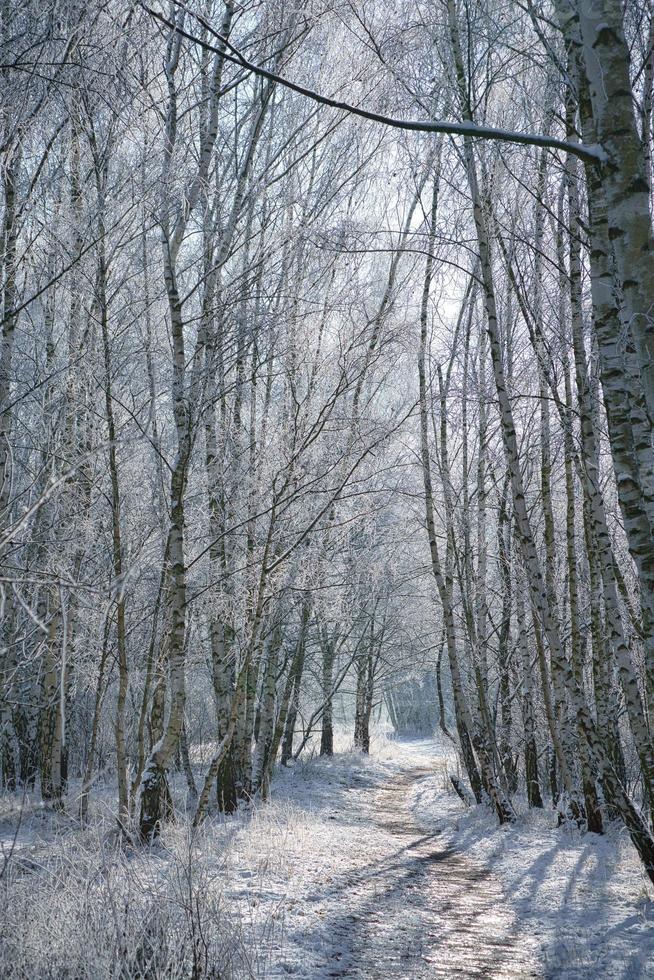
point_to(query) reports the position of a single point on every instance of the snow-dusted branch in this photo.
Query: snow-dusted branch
(590, 154)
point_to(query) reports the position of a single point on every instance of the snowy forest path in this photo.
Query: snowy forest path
(425, 911)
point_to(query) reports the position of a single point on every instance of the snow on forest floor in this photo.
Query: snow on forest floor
(357, 867)
(582, 900)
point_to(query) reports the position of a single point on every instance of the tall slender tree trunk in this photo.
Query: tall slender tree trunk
(527, 704)
(327, 721)
(463, 716)
(536, 582)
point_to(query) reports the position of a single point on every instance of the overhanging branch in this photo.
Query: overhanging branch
(589, 154)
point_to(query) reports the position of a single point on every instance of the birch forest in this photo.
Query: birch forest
(326, 488)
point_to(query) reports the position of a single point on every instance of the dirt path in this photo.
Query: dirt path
(428, 911)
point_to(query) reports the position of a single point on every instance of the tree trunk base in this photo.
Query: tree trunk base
(156, 804)
(226, 792)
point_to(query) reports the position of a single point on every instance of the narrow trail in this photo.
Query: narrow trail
(428, 912)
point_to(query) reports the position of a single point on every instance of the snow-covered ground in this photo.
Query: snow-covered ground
(584, 899)
(356, 867)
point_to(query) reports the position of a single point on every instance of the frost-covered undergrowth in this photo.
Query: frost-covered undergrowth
(238, 898)
(585, 899)
(272, 891)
